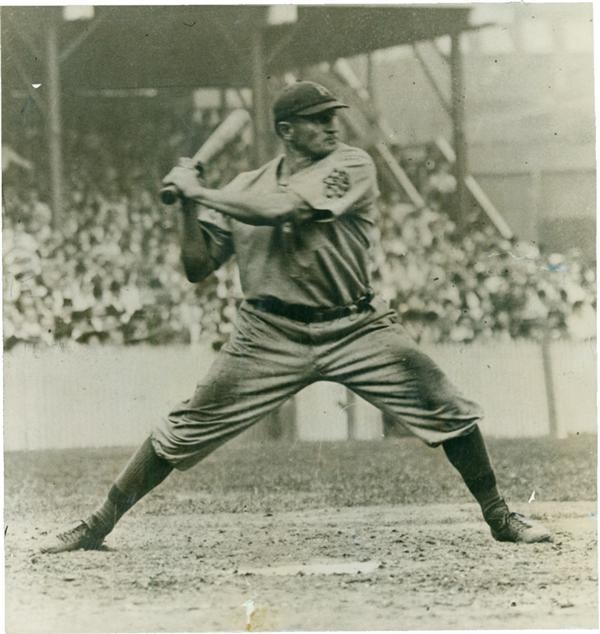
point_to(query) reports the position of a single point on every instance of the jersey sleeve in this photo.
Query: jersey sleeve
(343, 183)
(217, 226)
(217, 233)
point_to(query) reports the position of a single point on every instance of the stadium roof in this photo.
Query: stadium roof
(201, 45)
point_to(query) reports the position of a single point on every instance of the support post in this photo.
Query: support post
(222, 103)
(536, 203)
(54, 121)
(260, 95)
(458, 128)
(351, 414)
(370, 81)
(553, 427)
(432, 80)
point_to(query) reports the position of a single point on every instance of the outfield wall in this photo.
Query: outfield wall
(104, 396)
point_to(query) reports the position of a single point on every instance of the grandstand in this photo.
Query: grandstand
(111, 274)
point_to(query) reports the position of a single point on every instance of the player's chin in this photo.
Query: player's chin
(327, 147)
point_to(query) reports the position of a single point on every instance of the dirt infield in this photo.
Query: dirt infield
(173, 566)
(438, 569)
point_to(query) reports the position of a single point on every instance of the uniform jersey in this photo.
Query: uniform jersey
(322, 262)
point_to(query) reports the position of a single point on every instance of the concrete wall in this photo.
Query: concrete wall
(554, 207)
(94, 397)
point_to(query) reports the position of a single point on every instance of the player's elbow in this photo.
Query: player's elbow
(194, 276)
(196, 269)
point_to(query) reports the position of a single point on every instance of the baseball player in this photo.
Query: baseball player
(300, 227)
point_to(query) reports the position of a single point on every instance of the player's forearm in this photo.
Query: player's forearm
(252, 209)
(195, 256)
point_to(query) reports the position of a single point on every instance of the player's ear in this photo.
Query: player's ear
(284, 130)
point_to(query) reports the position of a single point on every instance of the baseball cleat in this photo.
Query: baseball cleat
(514, 527)
(81, 537)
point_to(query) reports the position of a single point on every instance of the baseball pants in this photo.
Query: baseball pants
(270, 358)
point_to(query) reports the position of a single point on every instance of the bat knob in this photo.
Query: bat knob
(169, 195)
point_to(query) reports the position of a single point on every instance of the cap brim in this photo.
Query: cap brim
(321, 107)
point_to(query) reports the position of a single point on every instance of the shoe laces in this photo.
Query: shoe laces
(517, 521)
(72, 532)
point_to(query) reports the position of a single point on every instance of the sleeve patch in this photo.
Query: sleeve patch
(337, 183)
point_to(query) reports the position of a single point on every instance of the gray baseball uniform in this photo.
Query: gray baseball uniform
(283, 341)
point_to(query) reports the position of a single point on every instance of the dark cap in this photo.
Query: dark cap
(302, 99)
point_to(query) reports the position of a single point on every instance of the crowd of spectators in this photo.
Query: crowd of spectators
(460, 288)
(109, 271)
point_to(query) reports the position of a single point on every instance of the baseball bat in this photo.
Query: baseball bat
(223, 134)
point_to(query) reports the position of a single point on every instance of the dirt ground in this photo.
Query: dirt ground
(258, 562)
(437, 568)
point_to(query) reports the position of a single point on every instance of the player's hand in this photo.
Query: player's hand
(185, 177)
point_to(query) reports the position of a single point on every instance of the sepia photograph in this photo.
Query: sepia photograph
(299, 317)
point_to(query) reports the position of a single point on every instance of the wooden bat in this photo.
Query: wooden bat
(223, 134)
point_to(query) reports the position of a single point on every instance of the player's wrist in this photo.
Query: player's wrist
(198, 192)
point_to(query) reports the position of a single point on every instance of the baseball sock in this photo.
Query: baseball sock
(468, 454)
(141, 474)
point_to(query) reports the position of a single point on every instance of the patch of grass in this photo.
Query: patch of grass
(278, 476)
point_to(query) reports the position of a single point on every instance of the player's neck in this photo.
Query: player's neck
(295, 161)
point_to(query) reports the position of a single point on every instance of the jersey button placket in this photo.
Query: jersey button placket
(287, 235)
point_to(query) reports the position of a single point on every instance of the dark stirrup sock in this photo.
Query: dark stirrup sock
(468, 454)
(144, 471)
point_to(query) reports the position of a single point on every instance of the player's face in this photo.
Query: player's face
(316, 135)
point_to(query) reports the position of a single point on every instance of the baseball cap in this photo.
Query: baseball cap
(304, 98)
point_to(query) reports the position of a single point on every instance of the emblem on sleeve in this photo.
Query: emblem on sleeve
(337, 183)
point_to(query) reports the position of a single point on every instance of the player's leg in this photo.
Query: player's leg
(468, 454)
(383, 365)
(144, 471)
(258, 370)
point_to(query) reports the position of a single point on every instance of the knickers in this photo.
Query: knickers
(270, 358)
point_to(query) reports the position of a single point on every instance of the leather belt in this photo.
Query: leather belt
(309, 314)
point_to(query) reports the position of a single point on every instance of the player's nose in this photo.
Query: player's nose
(332, 124)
